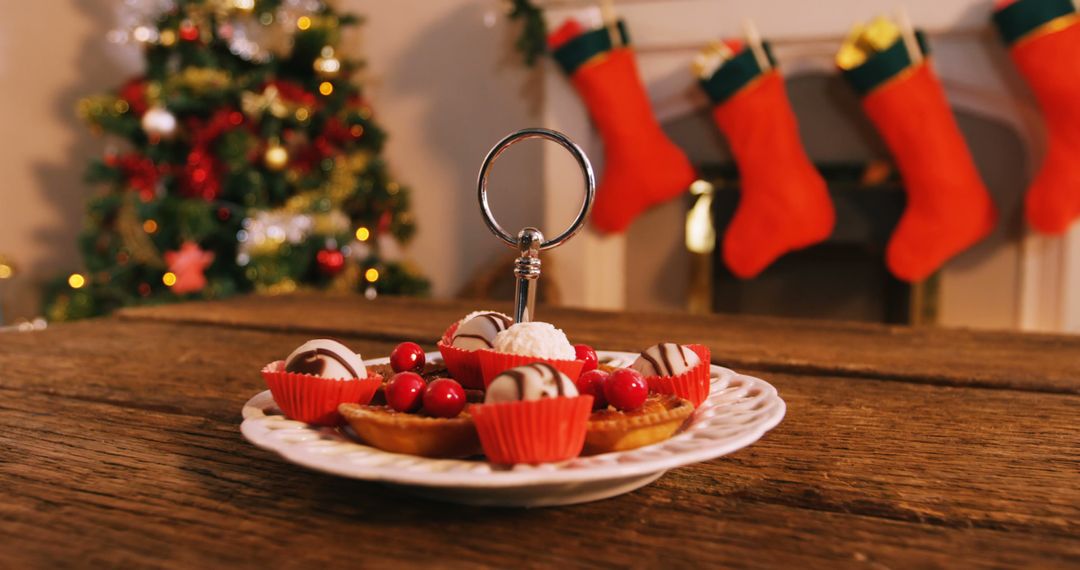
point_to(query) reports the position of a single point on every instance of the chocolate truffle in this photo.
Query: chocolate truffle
(529, 382)
(541, 340)
(326, 358)
(477, 330)
(666, 359)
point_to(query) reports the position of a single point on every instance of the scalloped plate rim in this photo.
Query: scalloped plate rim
(520, 476)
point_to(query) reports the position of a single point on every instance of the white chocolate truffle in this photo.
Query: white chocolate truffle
(326, 358)
(541, 340)
(666, 359)
(477, 330)
(530, 382)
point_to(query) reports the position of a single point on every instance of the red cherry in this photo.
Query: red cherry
(444, 398)
(407, 356)
(626, 389)
(404, 392)
(586, 353)
(592, 383)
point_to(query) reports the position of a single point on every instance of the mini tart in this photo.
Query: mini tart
(413, 434)
(432, 371)
(656, 420)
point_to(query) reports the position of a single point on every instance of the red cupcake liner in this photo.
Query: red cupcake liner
(464, 365)
(315, 400)
(535, 431)
(694, 384)
(494, 363)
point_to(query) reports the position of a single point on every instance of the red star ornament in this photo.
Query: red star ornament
(188, 265)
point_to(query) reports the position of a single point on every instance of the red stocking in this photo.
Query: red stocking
(1044, 40)
(784, 203)
(948, 208)
(642, 167)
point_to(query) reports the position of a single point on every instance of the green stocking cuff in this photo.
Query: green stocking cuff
(1025, 16)
(735, 74)
(574, 53)
(884, 65)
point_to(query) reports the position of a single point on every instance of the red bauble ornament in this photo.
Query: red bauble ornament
(586, 353)
(200, 176)
(134, 94)
(405, 391)
(626, 389)
(592, 383)
(385, 219)
(141, 173)
(189, 32)
(407, 356)
(330, 261)
(444, 398)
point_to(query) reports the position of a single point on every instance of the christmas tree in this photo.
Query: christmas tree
(244, 158)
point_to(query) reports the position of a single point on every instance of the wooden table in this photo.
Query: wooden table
(119, 447)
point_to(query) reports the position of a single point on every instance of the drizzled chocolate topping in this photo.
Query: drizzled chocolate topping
(664, 366)
(310, 362)
(546, 372)
(499, 322)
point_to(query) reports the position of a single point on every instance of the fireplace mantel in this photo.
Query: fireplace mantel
(593, 270)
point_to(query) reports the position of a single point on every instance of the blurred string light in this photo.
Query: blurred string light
(76, 281)
(362, 233)
(248, 37)
(23, 325)
(371, 275)
(327, 64)
(169, 279)
(268, 231)
(700, 233)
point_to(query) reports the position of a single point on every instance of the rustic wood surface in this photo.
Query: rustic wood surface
(119, 447)
(1042, 362)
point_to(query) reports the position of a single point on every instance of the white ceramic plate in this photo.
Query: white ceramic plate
(739, 410)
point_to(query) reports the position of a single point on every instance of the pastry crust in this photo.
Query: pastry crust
(658, 419)
(413, 434)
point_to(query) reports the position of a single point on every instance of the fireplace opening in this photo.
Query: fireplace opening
(845, 276)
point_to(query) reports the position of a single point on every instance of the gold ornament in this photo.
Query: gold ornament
(255, 104)
(200, 80)
(134, 236)
(276, 157)
(327, 65)
(94, 110)
(168, 38)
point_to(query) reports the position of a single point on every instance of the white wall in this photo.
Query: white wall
(47, 60)
(444, 83)
(448, 87)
